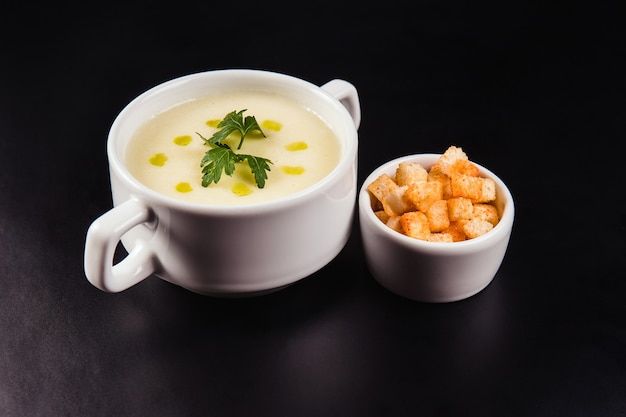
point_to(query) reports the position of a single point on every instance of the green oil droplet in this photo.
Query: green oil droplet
(213, 122)
(183, 140)
(292, 170)
(241, 189)
(296, 146)
(158, 159)
(271, 125)
(183, 187)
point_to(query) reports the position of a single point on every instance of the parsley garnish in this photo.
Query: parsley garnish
(221, 158)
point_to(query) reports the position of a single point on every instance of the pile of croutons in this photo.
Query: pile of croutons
(451, 202)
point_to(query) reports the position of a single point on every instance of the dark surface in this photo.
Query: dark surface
(536, 93)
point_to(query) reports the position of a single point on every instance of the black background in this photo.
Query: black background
(533, 91)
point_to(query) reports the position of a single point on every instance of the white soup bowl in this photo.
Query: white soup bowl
(235, 250)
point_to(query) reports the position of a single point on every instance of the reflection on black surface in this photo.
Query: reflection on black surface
(300, 348)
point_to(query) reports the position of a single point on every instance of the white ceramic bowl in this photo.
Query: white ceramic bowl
(430, 271)
(236, 250)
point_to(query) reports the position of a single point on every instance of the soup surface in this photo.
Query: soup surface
(166, 152)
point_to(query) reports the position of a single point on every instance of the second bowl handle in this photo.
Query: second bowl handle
(346, 93)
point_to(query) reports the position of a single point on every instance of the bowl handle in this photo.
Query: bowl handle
(346, 93)
(104, 235)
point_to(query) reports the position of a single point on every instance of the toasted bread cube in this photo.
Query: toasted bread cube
(477, 189)
(455, 230)
(396, 203)
(486, 212)
(449, 202)
(449, 157)
(476, 227)
(409, 173)
(415, 224)
(436, 168)
(382, 216)
(466, 186)
(488, 191)
(382, 186)
(437, 215)
(437, 175)
(422, 194)
(460, 208)
(465, 167)
(394, 223)
(376, 205)
(440, 237)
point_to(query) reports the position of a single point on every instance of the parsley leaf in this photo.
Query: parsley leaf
(222, 159)
(234, 121)
(259, 167)
(215, 161)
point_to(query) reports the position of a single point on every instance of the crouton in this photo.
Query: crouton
(450, 202)
(476, 227)
(410, 172)
(437, 175)
(422, 194)
(477, 189)
(465, 167)
(382, 216)
(415, 224)
(449, 157)
(376, 205)
(466, 186)
(394, 223)
(455, 230)
(440, 237)
(488, 191)
(437, 215)
(396, 203)
(460, 208)
(486, 212)
(382, 186)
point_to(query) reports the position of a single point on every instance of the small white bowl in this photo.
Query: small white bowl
(433, 271)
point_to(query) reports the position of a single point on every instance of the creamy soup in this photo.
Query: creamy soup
(166, 152)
